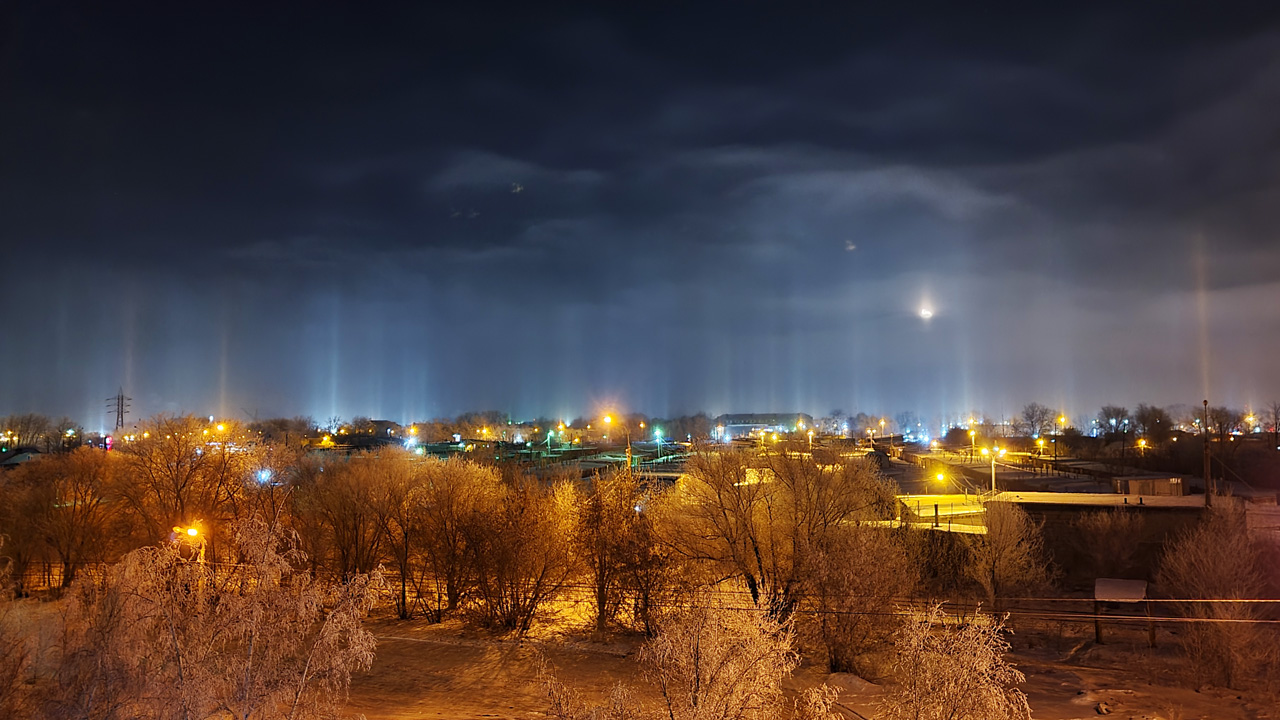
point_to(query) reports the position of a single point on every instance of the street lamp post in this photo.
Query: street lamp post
(191, 537)
(994, 452)
(1208, 484)
(1062, 420)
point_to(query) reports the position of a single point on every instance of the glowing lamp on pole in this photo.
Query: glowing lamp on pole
(993, 453)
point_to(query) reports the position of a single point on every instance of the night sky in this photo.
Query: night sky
(327, 210)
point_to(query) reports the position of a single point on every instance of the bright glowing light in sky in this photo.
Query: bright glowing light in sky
(926, 313)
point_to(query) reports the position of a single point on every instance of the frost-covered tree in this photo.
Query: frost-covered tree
(954, 673)
(1010, 556)
(858, 577)
(709, 661)
(518, 552)
(391, 477)
(715, 663)
(444, 505)
(760, 519)
(15, 651)
(1217, 560)
(182, 471)
(165, 635)
(614, 544)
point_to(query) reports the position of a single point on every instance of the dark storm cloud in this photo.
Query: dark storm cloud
(421, 210)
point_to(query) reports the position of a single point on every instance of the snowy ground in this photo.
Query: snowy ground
(443, 671)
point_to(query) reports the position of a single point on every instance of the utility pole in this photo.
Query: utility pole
(120, 406)
(1208, 484)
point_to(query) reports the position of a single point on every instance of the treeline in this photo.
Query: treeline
(457, 536)
(40, 433)
(46, 435)
(806, 537)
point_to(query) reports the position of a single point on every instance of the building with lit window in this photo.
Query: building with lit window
(737, 425)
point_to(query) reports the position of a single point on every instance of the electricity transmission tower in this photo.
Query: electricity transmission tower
(120, 406)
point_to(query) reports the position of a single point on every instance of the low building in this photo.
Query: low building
(15, 457)
(1150, 485)
(737, 425)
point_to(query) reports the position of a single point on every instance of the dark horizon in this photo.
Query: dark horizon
(415, 212)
